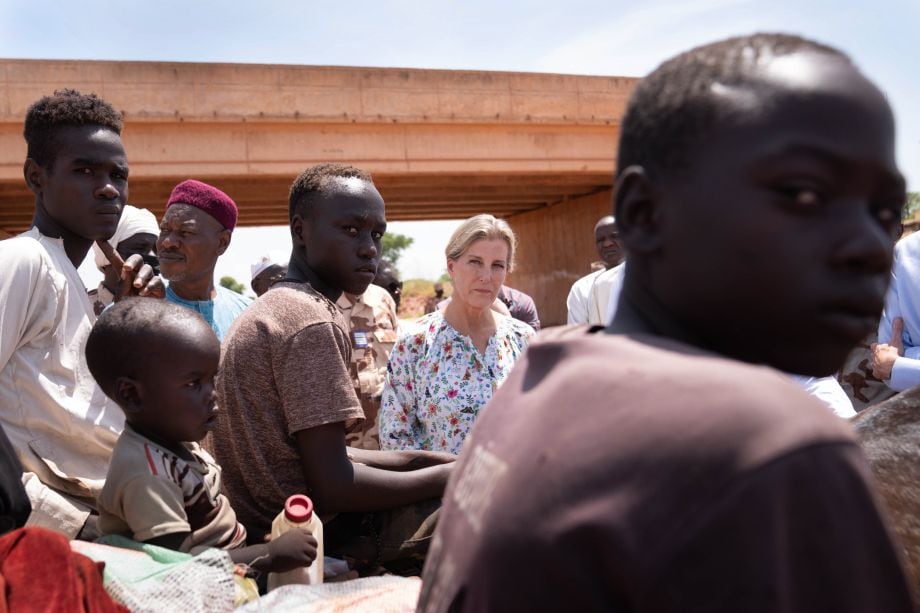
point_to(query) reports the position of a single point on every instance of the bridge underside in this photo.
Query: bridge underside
(537, 149)
(263, 200)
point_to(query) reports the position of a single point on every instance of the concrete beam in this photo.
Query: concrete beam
(441, 144)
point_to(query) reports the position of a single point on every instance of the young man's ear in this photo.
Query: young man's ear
(300, 228)
(637, 209)
(129, 394)
(34, 174)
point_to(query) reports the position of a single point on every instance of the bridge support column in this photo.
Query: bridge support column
(556, 248)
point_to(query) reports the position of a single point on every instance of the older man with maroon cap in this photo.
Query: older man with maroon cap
(194, 232)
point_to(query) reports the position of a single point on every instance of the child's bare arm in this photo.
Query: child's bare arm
(338, 485)
(293, 549)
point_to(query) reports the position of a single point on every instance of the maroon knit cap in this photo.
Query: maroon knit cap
(208, 198)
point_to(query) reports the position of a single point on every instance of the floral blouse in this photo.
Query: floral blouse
(437, 381)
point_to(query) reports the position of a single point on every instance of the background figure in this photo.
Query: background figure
(268, 270)
(431, 305)
(372, 323)
(445, 367)
(896, 357)
(387, 277)
(520, 306)
(137, 233)
(588, 299)
(194, 232)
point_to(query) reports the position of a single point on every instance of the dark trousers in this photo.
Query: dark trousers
(396, 539)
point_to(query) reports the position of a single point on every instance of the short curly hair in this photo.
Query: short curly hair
(673, 108)
(119, 343)
(313, 183)
(66, 108)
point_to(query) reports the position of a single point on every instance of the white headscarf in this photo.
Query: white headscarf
(270, 259)
(133, 221)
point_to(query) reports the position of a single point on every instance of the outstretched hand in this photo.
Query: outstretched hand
(137, 278)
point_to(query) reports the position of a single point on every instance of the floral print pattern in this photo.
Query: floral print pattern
(437, 381)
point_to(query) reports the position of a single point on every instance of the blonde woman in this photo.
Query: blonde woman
(445, 367)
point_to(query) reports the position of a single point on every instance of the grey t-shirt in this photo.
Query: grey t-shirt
(284, 369)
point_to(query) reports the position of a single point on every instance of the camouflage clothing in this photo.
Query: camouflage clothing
(372, 328)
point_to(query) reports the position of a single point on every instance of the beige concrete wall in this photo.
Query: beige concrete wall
(556, 247)
(174, 91)
(269, 119)
(442, 144)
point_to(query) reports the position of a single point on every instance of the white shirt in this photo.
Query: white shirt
(903, 300)
(825, 389)
(616, 286)
(62, 425)
(828, 391)
(588, 299)
(577, 301)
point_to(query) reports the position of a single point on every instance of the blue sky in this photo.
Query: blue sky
(609, 37)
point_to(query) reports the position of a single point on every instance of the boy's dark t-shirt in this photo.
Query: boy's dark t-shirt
(284, 369)
(614, 473)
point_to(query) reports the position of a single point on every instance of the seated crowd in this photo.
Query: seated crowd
(673, 451)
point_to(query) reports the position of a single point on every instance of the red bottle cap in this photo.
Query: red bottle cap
(298, 509)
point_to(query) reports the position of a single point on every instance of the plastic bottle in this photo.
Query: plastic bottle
(298, 513)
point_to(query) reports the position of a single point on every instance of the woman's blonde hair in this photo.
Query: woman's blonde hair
(481, 227)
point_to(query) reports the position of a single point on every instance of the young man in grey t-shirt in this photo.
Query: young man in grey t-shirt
(286, 391)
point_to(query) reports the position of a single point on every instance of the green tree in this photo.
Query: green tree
(232, 284)
(912, 205)
(394, 244)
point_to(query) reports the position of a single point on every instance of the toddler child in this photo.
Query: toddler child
(158, 361)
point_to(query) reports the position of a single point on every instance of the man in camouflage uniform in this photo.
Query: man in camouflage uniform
(372, 324)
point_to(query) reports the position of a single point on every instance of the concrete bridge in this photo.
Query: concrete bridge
(536, 149)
